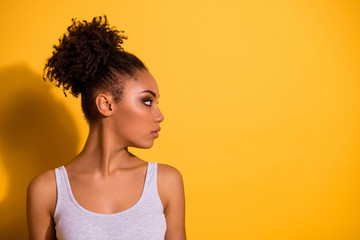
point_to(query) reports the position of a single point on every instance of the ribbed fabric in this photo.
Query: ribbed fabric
(144, 220)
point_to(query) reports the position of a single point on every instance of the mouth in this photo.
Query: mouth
(155, 133)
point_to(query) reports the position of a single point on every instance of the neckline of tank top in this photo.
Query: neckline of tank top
(133, 207)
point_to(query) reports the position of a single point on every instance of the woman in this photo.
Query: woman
(106, 192)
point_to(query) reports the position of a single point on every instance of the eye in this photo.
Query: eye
(147, 102)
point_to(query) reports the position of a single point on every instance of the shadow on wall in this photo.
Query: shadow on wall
(37, 133)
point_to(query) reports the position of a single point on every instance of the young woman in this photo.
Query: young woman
(106, 192)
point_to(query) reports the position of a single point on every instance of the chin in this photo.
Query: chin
(143, 145)
(147, 147)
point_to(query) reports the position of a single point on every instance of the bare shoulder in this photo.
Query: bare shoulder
(43, 182)
(171, 191)
(170, 183)
(40, 206)
(42, 190)
(168, 173)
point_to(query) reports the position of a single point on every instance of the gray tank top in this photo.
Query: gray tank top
(144, 220)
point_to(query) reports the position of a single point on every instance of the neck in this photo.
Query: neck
(102, 151)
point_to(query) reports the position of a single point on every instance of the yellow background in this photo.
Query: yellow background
(261, 102)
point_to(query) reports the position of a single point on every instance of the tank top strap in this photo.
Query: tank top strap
(61, 188)
(151, 194)
(151, 177)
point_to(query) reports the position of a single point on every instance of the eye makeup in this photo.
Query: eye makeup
(149, 99)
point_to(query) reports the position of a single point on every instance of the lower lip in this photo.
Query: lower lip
(155, 134)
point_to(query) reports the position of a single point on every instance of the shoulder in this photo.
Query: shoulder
(170, 183)
(40, 206)
(42, 182)
(168, 173)
(171, 192)
(41, 190)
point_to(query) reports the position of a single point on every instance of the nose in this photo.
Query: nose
(159, 117)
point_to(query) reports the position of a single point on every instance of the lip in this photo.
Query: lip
(155, 133)
(157, 130)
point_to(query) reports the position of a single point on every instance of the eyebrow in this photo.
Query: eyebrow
(151, 92)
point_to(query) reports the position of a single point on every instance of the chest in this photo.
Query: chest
(107, 195)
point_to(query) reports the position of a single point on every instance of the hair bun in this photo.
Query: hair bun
(82, 53)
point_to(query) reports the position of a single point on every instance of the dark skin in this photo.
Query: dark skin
(105, 169)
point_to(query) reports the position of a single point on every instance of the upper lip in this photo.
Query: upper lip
(157, 130)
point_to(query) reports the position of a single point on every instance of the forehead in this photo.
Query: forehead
(141, 81)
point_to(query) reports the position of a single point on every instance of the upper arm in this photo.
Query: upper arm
(40, 204)
(171, 190)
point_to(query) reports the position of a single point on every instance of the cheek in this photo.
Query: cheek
(132, 120)
(134, 116)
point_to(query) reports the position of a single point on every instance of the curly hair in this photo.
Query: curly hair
(90, 57)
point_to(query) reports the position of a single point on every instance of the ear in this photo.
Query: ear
(103, 103)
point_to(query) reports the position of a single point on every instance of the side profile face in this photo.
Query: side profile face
(137, 117)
